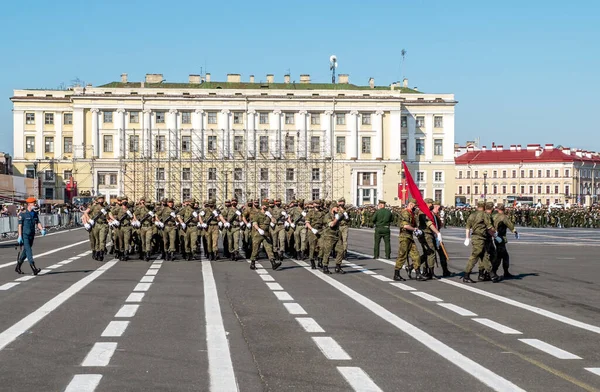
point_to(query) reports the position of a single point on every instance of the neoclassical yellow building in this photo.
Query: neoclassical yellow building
(251, 139)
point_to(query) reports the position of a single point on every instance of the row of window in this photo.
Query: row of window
(49, 118)
(48, 144)
(513, 189)
(48, 175)
(438, 176)
(513, 173)
(238, 174)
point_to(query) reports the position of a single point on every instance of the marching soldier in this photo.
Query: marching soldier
(261, 235)
(343, 225)
(332, 238)
(96, 216)
(502, 223)
(212, 229)
(298, 225)
(440, 251)
(278, 217)
(406, 242)
(430, 241)
(166, 219)
(247, 217)
(382, 220)
(233, 219)
(144, 218)
(314, 223)
(124, 217)
(479, 231)
(190, 224)
(28, 221)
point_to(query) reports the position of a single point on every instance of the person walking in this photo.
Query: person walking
(28, 221)
(382, 220)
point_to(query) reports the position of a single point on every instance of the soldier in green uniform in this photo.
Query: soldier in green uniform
(145, 218)
(406, 243)
(479, 231)
(314, 223)
(298, 226)
(343, 224)
(188, 221)
(233, 220)
(167, 221)
(97, 216)
(279, 216)
(382, 220)
(440, 251)
(332, 238)
(501, 224)
(212, 231)
(261, 235)
(123, 216)
(430, 238)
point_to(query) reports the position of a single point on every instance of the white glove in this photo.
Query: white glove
(204, 226)
(227, 225)
(87, 226)
(418, 232)
(215, 213)
(261, 231)
(195, 214)
(116, 223)
(337, 216)
(183, 226)
(242, 224)
(286, 224)
(315, 231)
(130, 214)
(91, 222)
(103, 211)
(467, 241)
(249, 225)
(268, 213)
(172, 214)
(293, 225)
(220, 225)
(151, 213)
(283, 213)
(202, 213)
(439, 237)
(346, 215)
(199, 225)
(498, 239)
(238, 213)
(303, 213)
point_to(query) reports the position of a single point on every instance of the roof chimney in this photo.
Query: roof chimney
(578, 153)
(343, 79)
(371, 82)
(251, 78)
(234, 78)
(305, 79)
(549, 147)
(532, 147)
(270, 78)
(484, 149)
(195, 79)
(500, 148)
(538, 152)
(566, 150)
(207, 76)
(154, 78)
(513, 147)
(493, 147)
(286, 79)
(518, 147)
(405, 83)
(123, 78)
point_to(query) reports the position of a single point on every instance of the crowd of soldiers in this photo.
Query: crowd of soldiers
(312, 230)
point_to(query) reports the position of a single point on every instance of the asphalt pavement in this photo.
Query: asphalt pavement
(84, 325)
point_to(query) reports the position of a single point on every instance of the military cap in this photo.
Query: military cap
(413, 201)
(278, 200)
(489, 205)
(170, 200)
(265, 203)
(143, 198)
(255, 201)
(481, 204)
(212, 201)
(124, 198)
(119, 198)
(317, 202)
(99, 196)
(429, 201)
(234, 199)
(381, 202)
(341, 200)
(437, 203)
(501, 207)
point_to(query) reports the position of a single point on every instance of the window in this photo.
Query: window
(49, 193)
(366, 145)
(48, 144)
(539, 189)
(30, 144)
(315, 142)
(522, 173)
(264, 174)
(437, 195)
(315, 119)
(238, 143)
(420, 176)
(548, 173)
(316, 174)
(503, 173)
(340, 119)
(438, 176)
(238, 193)
(186, 174)
(556, 174)
(468, 189)
(113, 178)
(48, 175)
(567, 173)
(159, 143)
(48, 118)
(476, 189)
(264, 193)
(160, 193)
(495, 189)
(101, 179)
(340, 144)
(134, 143)
(186, 143)
(238, 174)
(438, 122)
(68, 118)
(160, 173)
(29, 118)
(531, 189)
(316, 194)
(289, 195)
(366, 179)
(29, 173)
(289, 174)
(514, 189)
(460, 190)
(67, 174)
(212, 174)
(186, 193)
(107, 117)
(212, 193)
(160, 117)
(420, 147)
(556, 189)
(476, 174)
(539, 174)
(289, 118)
(289, 144)
(566, 190)
(212, 143)
(438, 147)
(420, 121)
(107, 143)
(238, 117)
(468, 174)
(504, 189)
(263, 144)
(134, 117)
(514, 174)
(404, 122)
(263, 118)
(530, 173)
(186, 117)
(494, 174)
(460, 174)
(366, 119)
(547, 189)
(403, 147)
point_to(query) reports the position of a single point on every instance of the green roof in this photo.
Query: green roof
(258, 86)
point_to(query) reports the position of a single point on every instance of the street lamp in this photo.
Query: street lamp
(484, 185)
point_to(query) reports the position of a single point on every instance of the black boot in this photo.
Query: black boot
(172, 256)
(339, 270)
(432, 274)
(397, 276)
(147, 256)
(252, 265)
(446, 274)
(281, 256)
(18, 268)
(467, 279)
(94, 255)
(508, 275)
(481, 276)
(326, 270)
(34, 269)
(275, 264)
(313, 265)
(190, 256)
(425, 273)
(320, 264)
(409, 271)
(419, 276)
(100, 255)
(112, 250)
(494, 277)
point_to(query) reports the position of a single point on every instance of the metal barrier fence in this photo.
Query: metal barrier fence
(9, 224)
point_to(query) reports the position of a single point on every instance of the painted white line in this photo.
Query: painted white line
(83, 254)
(220, 366)
(383, 278)
(47, 253)
(596, 371)
(127, 311)
(283, 295)
(25, 278)
(497, 326)
(142, 287)
(8, 286)
(151, 272)
(66, 262)
(100, 354)
(330, 348)
(73, 258)
(115, 329)
(262, 271)
(44, 271)
(302, 263)
(426, 296)
(403, 286)
(54, 266)
(540, 311)
(358, 379)
(258, 266)
(274, 286)
(357, 266)
(157, 262)
(464, 363)
(267, 278)
(294, 308)
(309, 325)
(155, 266)
(549, 349)
(135, 297)
(458, 309)
(368, 272)
(147, 279)
(84, 383)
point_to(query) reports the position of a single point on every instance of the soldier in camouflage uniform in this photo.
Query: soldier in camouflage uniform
(343, 225)
(261, 235)
(145, 218)
(279, 217)
(98, 214)
(298, 225)
(332, 238)
(479, 232)
(232, 216)
(314, 223)
(502, 223)
(406, 244)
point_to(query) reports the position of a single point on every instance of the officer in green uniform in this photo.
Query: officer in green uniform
(382, 220)
(232, 216)
(343, 224)
(262, 235)
(314, 223)
(168, 223)
(212, 231)
(332, 239)
(430, 238)
(298, 225)
(145, 218)
(98, 215)
(479, 232)
(502, 223)
(406, 243)
(123, 216)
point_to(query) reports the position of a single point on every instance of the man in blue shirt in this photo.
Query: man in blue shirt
(28, 221)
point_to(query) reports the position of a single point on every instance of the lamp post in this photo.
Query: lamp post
(484, 185)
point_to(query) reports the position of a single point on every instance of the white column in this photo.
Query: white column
(429, 137)
(100, 136)
(251, 142)
(18, 134)
(178, 129)
(378, 139)
(145, 139)
(353, 126)
(78, 133)
(197, 140)
(448, 123)
(301, 121)
(275, 125)
(58, 135)
(223, 139)
(327, 135)
(411, 143)
(172, 138)
(394, 135)
(120, 133)
(95, 133)
(39, 134)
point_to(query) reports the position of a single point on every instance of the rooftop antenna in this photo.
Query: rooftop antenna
(333, 64)
(403, 54)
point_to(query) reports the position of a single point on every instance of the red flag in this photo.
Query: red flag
(416, 193)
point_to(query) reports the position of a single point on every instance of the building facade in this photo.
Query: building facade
(535, 174)
(215, 139)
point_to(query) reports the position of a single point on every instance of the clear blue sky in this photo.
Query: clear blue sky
(522, 71)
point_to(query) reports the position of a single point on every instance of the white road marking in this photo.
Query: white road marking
(54, 266)
(309, 325)
(151, 272)
(44, 271)
(283, 295)
(330, 348)
(84, 383)
(368, 272)
(550, 349)
(73, 258)
(302, 263)
(426, 296)
(155, 266)
(65, 262)
(135, 297)
(458, 309)
(262, 271)
(127, 311)
(464, 363)
(100, 354)
(294, 308)
(142, 287)
(8, 286)
(115, 329)
(274, 286)
(267, 278)
(46, 253)
(147, 279)
(358, 379)
(159, 261)
(596, 371)
(383, 278)
(220, 366)
(534, 309)
(29, 321)
(497, 326)
(403, 286)
(25, 278)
